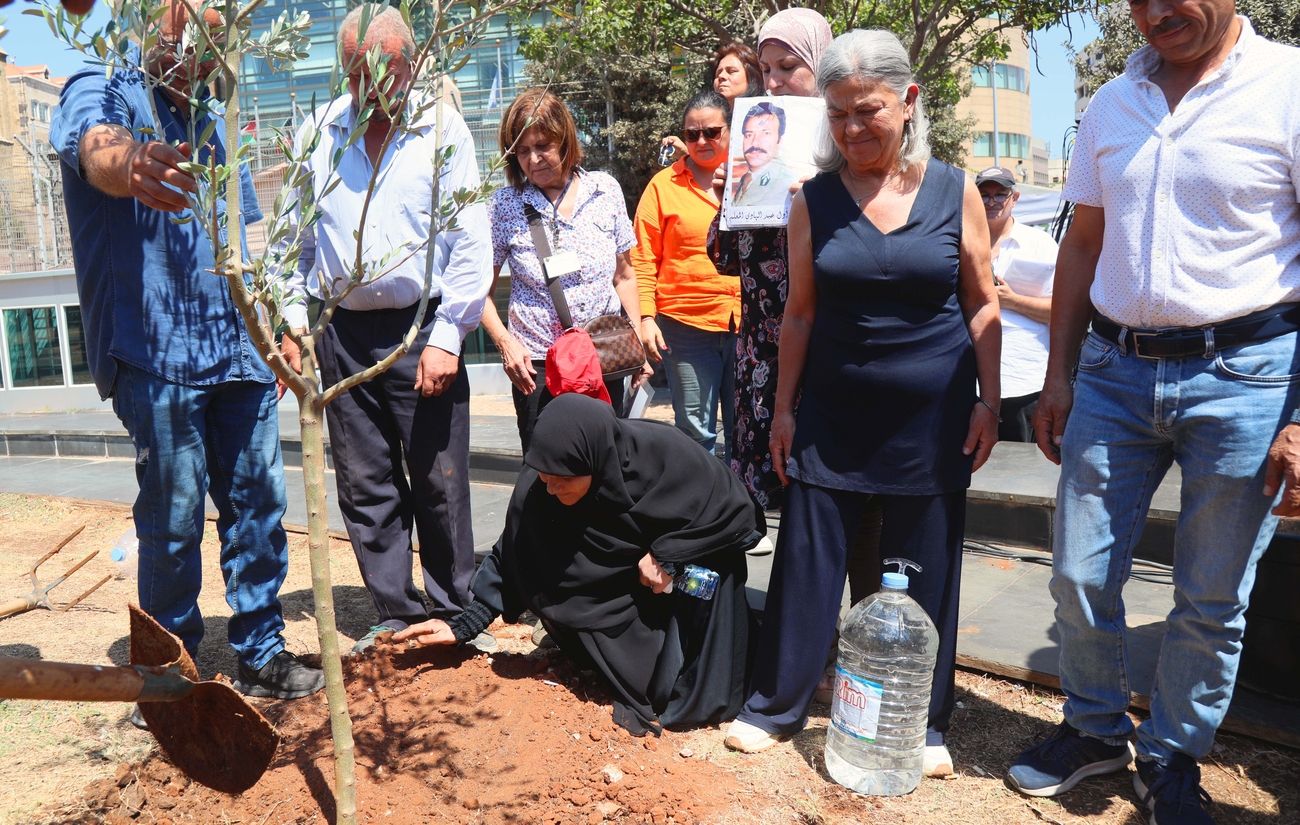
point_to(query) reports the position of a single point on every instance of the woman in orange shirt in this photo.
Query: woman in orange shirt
(688, 311)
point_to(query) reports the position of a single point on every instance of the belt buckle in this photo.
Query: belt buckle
(1137, 346)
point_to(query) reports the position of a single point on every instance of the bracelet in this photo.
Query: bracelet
(996, 414)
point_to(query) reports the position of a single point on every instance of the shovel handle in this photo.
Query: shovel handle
(36, 679)
(17, 606)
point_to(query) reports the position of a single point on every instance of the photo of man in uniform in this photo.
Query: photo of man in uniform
(762, 178)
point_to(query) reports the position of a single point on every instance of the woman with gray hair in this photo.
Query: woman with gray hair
(891, 318)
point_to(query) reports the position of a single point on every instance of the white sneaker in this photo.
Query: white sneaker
(763, 548)
(937, 762)
(744, 737)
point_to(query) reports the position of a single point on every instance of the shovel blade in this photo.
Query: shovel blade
(214, 735)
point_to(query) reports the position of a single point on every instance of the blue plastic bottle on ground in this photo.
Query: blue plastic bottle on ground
(126, 554)
(888, 645)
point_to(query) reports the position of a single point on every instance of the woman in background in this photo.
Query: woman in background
(689, 311)
(735, 74)
(582, 212)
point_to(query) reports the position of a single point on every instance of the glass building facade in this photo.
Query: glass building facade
(488, 81)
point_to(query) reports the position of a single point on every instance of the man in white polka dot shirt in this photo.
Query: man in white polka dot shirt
(1186, 240)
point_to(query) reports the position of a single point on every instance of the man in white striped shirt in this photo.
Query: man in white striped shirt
(400, 441)
(1186, 239)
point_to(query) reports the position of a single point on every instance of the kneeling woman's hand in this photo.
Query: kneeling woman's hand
(432, 632)
(653, 575)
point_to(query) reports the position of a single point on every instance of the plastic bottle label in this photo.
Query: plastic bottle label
(855, 710)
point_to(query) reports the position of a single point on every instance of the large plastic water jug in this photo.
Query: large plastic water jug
(888, 644)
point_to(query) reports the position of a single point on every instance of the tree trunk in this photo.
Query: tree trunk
(313, 477)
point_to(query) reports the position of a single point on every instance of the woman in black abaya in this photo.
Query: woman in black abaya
(602, 506)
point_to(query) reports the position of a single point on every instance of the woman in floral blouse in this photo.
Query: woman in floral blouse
(582, 212)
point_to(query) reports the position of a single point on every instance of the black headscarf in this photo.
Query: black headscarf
(648, 494)
(670, 658)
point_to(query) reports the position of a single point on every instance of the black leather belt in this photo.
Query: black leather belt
(1183, 342)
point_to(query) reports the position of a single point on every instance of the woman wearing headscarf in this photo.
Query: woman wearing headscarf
(790, 45)
(603, 509)
(892, 317)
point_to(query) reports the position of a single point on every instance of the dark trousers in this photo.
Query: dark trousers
(528, 407)
(373, 428)
(803, 598)
(1018, 418)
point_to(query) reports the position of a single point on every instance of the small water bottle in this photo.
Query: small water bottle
(694, 580)
(126, 554)
(888, 646)
(666, 153)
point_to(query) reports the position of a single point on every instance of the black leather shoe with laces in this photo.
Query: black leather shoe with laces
(284, 677)
(1173, 792)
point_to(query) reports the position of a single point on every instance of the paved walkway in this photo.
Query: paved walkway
(1006, 624)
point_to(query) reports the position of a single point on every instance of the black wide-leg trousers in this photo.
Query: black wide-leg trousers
(400, 460)
(803, 598)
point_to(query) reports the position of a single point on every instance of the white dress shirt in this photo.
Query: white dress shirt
(1026, 261)
(1202, 220)
(397, 219)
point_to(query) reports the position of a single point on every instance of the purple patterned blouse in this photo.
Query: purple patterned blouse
(598, 231)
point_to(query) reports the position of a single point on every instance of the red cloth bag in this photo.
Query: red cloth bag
(572, 365)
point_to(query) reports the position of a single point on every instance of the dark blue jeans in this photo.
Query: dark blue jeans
(701, 368)
(222, 439)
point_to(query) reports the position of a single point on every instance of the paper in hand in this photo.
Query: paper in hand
(771, 151)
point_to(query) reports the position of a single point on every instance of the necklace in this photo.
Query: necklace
(859, 201)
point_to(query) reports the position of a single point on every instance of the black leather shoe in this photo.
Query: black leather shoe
(284, 677)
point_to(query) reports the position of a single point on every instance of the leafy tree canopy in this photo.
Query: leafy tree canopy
(645, 57)
(1104, 58)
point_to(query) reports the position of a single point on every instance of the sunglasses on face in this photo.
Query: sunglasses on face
(996, 198)
(711, 133)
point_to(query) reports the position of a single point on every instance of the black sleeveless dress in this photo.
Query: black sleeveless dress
(889, 383)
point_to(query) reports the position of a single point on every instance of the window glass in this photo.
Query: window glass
(1009, 145)
(33, 338)
(1007, 77)
(77, 357)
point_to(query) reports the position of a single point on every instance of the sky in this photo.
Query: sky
(1051, 85)
(1051, 79)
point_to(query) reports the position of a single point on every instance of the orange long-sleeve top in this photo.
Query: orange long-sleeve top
(674, 274)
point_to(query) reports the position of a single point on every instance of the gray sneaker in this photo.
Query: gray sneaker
(485, 642)
(368, 641)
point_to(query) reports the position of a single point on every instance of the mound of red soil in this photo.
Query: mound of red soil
(445, 737)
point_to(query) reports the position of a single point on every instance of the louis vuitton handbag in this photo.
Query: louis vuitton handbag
(617, 344)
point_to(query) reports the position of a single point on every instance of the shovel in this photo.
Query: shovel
(206, 729)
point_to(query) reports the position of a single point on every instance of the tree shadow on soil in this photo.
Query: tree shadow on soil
(354, 609)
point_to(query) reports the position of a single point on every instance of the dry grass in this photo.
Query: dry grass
(48, 752)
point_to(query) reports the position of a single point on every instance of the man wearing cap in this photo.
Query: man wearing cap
(766, 180)
(1024, 260)
(1186, 239)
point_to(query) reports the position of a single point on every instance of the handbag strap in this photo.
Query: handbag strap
(543, 247)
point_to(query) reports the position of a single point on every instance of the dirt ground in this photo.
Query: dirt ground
(515, 737)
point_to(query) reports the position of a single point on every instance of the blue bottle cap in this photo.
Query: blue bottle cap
(119, 554)
(895, 580)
